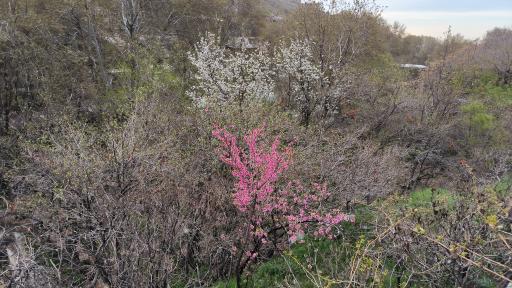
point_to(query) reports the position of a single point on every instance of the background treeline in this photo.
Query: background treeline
(109, 175)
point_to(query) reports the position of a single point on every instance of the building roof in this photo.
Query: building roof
(413, 66)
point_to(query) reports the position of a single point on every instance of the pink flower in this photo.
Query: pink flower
(257, 171)
(266, 202)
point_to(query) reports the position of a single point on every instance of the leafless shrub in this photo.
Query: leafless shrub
(496, 53)
(129, 207)
(357, 170)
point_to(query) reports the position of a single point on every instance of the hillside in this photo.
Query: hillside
(228, 143)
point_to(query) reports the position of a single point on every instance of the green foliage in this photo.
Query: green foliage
(501, 95)
(504, 187)
(477, 116)
(314, 261)
(425, 198)
(485, 115)
(302, 265)
(482, 125)
(384, 70)
(132, 84)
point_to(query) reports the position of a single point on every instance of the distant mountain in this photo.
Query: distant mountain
(278, 7)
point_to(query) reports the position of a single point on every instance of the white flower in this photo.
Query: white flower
(224, 77)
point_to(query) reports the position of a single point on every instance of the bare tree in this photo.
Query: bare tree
(92, 33)
(497, 53)
(131, 16)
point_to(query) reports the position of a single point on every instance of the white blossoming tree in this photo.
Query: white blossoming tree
(242, 78)
(230, 78)
(302, 76)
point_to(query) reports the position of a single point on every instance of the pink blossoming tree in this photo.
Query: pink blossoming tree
(274, 213)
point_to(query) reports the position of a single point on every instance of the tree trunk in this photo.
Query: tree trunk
(7, 113)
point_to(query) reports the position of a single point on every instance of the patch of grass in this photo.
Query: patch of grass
(312, 256)
(425, 198)
(485, 282)
(478, 117)
(502, 95)
(504, 187)
(320, 258)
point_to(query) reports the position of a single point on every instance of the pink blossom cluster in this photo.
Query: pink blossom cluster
(260, 195)
(256, 171)
(307, 210)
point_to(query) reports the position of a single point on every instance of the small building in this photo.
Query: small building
(414, 70)
(413, 66)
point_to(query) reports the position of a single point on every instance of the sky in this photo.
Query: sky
(471, 18)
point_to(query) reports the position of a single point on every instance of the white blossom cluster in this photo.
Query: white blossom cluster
(296, 64)
(235, 77)
(225, 77)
